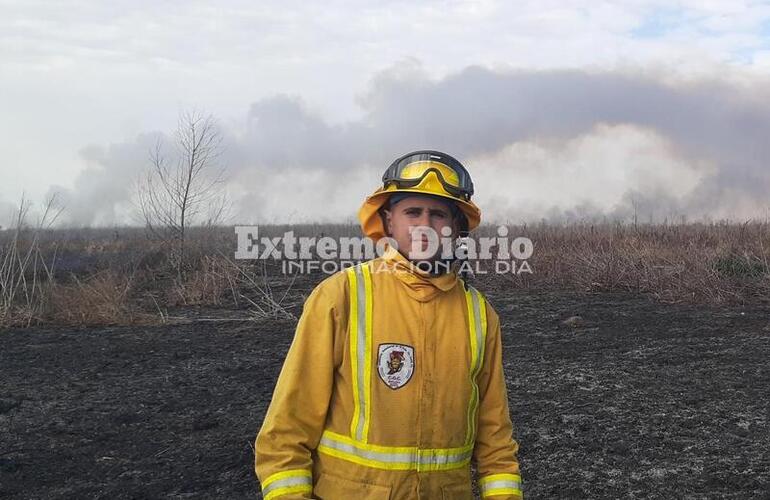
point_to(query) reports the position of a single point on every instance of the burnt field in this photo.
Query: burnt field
(634, 399)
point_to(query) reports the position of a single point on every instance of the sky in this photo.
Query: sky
(564, 110)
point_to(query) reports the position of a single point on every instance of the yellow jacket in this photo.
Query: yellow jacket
(393, 383)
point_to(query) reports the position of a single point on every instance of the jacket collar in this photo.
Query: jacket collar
(419, 284)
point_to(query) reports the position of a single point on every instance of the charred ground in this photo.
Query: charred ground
(632, 399)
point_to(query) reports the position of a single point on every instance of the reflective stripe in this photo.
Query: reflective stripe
(367, 352)
(355, 448)
(394, 457)
(477, 318)
(500, 484)
(360, 281)
(286, 482)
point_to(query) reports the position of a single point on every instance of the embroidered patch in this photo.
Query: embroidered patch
(395, 364)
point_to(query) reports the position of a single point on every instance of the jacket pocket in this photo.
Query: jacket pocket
(461, 491)
(330, 487)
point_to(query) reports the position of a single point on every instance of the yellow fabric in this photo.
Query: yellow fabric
(394, 457)
(416, 443)
(495, 485)
(281, 484)
(369, 213)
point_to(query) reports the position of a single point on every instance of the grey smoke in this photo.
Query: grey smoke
(472, 113)
(103, 190)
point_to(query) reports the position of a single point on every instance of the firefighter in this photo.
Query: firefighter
(394, 381)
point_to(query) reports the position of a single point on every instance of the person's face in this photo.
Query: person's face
(413, 212)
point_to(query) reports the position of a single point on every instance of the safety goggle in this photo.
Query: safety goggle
(409, 170)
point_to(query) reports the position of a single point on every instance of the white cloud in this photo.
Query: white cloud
(528, 180)
(697, 148)
(87, 72)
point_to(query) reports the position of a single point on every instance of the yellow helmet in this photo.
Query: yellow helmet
(423, 172)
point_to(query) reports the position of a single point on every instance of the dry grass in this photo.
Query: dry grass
(208, 284)
(100, 299)
(221, 281)
(25, 273)
(117, 275)
(712, 263)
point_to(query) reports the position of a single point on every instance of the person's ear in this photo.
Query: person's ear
(388, 220)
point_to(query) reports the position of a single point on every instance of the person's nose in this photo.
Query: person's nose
(437, 225)
(424, 220)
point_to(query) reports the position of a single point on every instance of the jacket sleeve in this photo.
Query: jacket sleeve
(297, 413)
(495, 450)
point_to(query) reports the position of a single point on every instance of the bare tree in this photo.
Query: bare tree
(184, 185)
